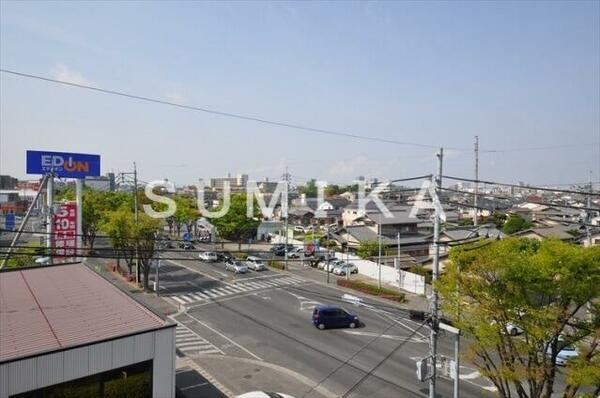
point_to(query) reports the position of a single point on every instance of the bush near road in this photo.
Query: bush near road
(364, 287)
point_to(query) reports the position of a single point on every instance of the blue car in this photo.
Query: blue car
(326, 316)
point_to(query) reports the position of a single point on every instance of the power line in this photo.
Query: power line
(222, 113)
(516, 186)
(549, 204)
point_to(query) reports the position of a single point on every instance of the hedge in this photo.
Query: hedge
(364, 287)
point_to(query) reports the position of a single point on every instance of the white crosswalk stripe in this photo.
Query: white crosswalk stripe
(240, 287)
(190, 343)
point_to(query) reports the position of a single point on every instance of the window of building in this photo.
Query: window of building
(133, 381)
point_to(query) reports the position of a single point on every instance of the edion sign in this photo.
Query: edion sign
(63, 164)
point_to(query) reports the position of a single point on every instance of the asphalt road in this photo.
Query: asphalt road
(264, 318)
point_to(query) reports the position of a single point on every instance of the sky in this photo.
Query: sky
(523, 76)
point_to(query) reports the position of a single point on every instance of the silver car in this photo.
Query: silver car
(345, 268)
(255, 263)
(236, 266)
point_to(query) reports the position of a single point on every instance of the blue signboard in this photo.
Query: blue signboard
(188, 237)
(9, 221)
(63, 164)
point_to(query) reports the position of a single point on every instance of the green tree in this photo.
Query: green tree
(309, 189)
(186, 214)
(498, 218)
(127, 237)
(235, 225)
(119, 226)
(542, 287)
(367, 248)
(516, 223)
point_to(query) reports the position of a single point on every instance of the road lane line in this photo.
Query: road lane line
(180, 301)
(225, 337)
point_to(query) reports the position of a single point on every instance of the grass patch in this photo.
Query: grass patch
(364, 287)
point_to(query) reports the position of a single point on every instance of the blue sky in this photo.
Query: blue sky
(519, 75)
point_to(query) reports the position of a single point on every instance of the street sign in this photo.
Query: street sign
(188, 237)
(422, 370)
(63, 164)
(9, 221)
(65, 230)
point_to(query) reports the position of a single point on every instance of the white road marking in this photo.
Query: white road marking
(225, 337)
(388, 336)
(180, 301)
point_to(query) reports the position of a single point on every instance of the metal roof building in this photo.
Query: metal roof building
(65, 328)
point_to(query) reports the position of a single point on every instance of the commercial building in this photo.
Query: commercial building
(66, 331)
(237, 183)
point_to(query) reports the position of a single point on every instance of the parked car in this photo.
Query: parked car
(280, 250)
(295, 252)
(236, 267)
(224, 256)
(277, 247)
(209, 257)
(332, 264)
(513, 329)
(326, 316)
(564, 355)
(299, 228)
(255, 263)
(186, 246)
(342, 269)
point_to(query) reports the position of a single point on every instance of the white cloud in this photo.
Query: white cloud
(63, 73)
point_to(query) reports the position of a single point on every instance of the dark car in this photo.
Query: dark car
(280, 250)
(224, 256)
(326, 316)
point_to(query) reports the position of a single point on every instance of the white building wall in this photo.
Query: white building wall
(55, 368)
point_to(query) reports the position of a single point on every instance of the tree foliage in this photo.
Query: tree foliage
(516, 223)
(367, 248)
(545, 288)
(127, 237)
(235, 225)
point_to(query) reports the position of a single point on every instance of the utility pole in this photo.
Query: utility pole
(588, 213)
(436, 271)
(379, 256)
(327, 258)
(137, 217)
(475, 210)
(286, 176)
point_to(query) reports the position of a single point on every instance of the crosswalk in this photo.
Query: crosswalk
(190, 344)
(231, 289)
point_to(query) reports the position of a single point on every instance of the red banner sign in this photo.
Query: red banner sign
(65, 230)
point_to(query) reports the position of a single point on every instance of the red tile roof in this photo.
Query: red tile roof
(50, 308)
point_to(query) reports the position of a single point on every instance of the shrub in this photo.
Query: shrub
(364, 287)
